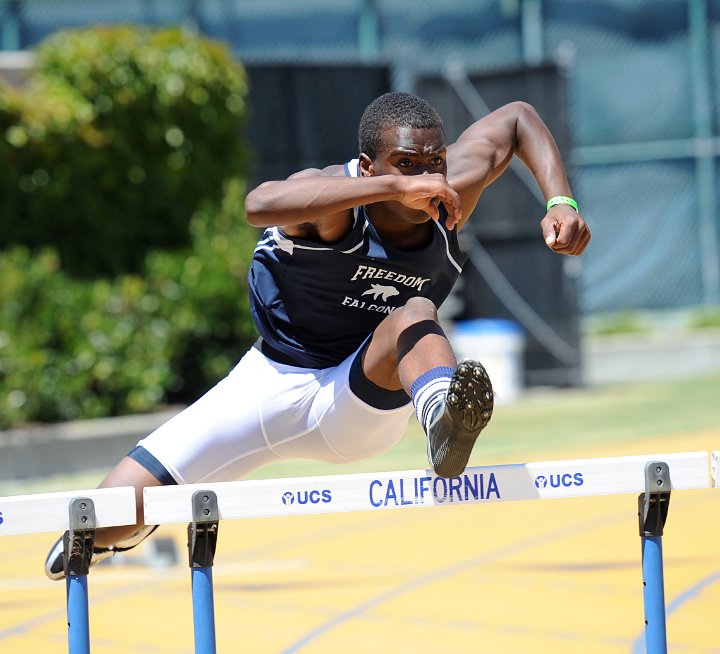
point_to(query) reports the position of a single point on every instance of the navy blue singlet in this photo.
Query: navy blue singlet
(316, 303)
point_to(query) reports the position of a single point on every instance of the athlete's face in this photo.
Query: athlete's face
(409, 151)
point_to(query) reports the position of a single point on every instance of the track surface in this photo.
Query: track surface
(548, 577)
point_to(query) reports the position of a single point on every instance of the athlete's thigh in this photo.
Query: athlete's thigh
(234, 427)
(352, 427)
(260, 413)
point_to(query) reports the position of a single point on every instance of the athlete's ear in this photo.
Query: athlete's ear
(366, 165)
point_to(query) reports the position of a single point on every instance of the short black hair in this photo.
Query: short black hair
(396, 109)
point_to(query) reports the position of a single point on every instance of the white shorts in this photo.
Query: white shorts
(265, 411)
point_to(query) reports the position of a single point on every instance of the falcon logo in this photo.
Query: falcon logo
(378, 290)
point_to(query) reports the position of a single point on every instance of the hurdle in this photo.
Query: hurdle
(77, 514)
(203, 506)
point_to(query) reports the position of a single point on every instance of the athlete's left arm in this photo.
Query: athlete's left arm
(484, 151)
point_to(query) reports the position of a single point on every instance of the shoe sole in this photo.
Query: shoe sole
(54, 568)
(469, 402)
(54, 563)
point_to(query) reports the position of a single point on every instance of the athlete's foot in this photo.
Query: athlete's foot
(459, 419)
(54, 566)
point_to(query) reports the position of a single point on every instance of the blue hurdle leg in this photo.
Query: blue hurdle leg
(203, 610)
(78, 614)
(654, 595)
(653, 507)
(202, 541)
(78, 544)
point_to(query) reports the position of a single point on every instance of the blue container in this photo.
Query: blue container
(499, 345)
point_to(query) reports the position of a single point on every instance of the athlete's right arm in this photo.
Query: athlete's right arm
(311, 196)
(322, 197)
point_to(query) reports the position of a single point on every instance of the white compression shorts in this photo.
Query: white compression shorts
(265, 411)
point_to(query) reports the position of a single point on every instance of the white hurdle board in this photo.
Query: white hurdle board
(418, 488)
(28, 514)
(716, 469)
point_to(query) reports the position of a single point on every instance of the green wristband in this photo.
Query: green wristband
(561, 199)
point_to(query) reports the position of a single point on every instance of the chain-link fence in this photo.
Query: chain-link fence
(643, 87)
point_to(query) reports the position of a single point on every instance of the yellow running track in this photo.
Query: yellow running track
(547, 577)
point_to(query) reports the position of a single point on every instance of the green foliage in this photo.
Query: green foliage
(124, 249)
(73, 348)
(122, 136)
(205, 296)
(625, 322)
(705, 319)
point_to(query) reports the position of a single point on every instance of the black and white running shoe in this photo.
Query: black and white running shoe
(459, 419)
(55, 570)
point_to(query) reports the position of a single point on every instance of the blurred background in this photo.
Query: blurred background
(131, 130)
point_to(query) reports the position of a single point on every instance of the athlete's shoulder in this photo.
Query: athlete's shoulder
(335, 170)
(349, 169)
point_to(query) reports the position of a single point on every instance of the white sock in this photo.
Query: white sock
(428, 391)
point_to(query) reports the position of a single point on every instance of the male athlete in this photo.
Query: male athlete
(344, 288)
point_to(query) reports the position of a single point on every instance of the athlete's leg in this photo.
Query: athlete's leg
(261, 413)
(408, 343)
(126, 473)
(109, 540)
(199, 424)
(453, 403)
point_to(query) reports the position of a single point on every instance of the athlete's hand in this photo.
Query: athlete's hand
(426, 192)
(565, 231)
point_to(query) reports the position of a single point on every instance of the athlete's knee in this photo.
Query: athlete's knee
(416, 309)
(400, 332)
(420, 320)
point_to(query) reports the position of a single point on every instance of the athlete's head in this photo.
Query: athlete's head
(395, 109)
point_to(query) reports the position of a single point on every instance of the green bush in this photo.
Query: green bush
(122, 136)
(124, 249)
(73, 348)
(205, 295)
(708, 318)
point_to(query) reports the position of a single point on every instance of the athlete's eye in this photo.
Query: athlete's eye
(404, 163)
(437, 161)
